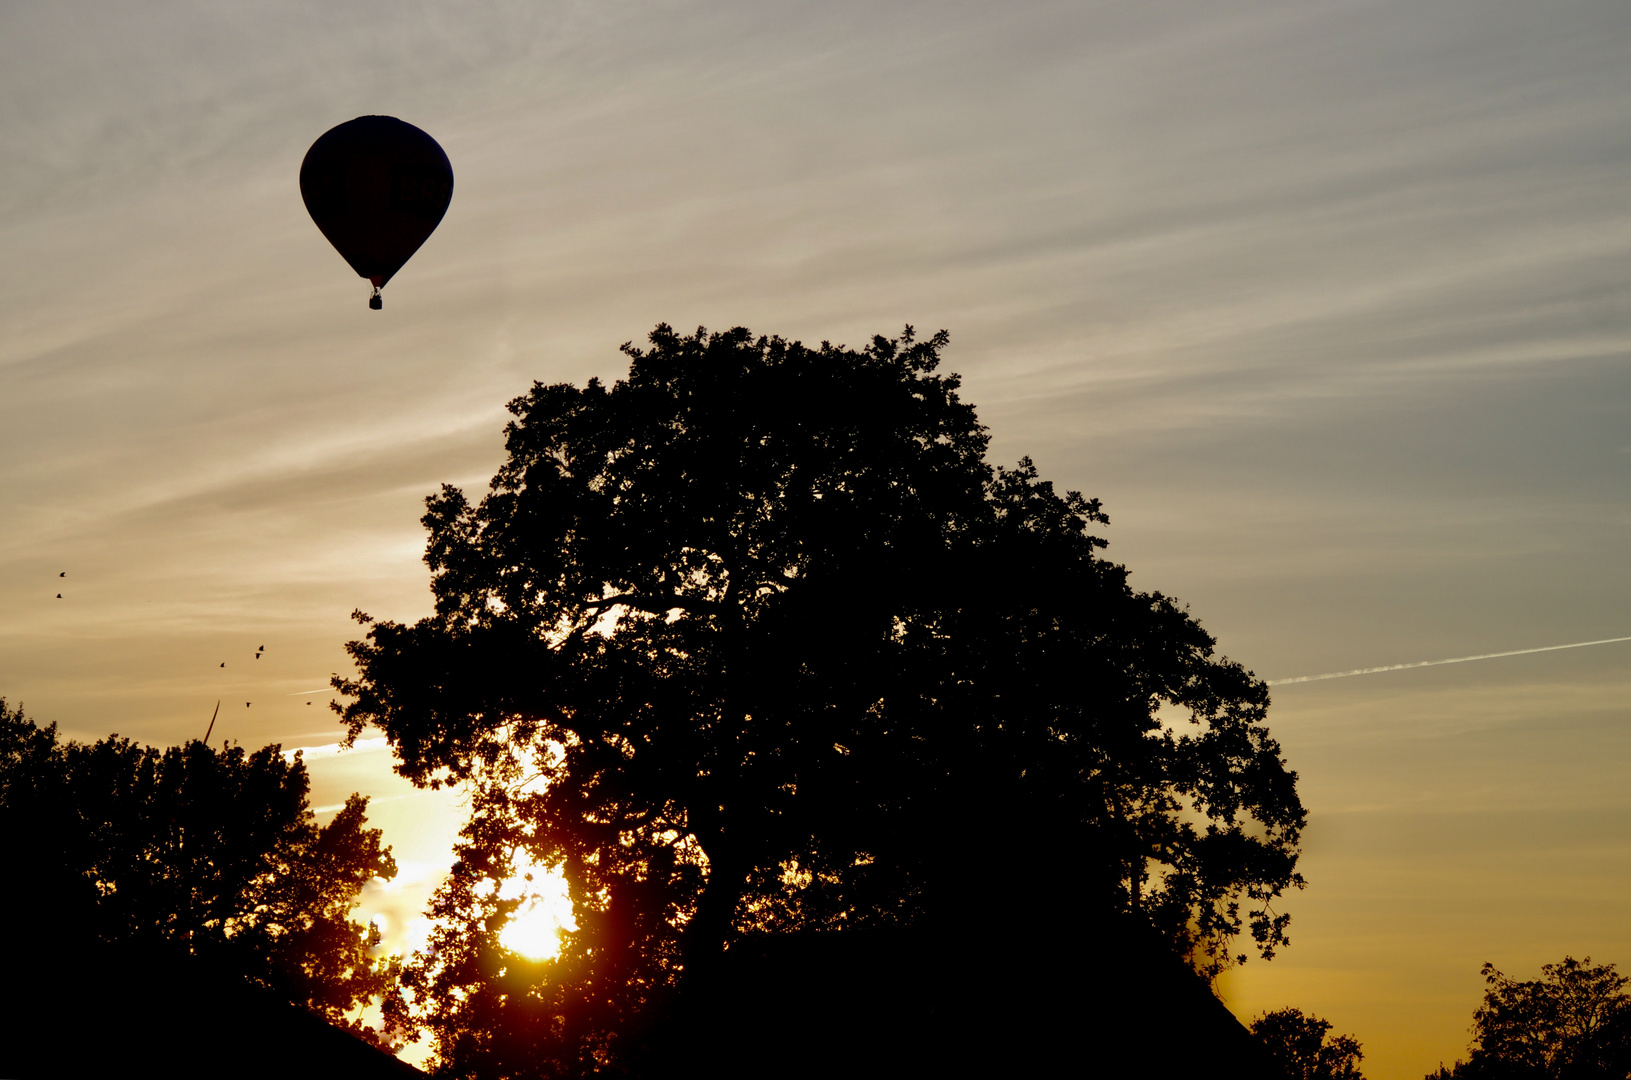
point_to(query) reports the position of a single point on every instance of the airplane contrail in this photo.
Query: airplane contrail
(1436, 663)
(361, 746)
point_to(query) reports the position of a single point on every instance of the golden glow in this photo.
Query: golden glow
(545, 913)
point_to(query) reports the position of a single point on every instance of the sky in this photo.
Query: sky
(1330, 303)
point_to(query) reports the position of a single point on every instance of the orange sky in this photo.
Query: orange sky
(1327, 301)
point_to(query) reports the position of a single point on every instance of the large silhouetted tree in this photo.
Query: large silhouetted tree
(191, 850)
(756, 641)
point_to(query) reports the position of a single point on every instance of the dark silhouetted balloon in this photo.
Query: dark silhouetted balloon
(377, 188)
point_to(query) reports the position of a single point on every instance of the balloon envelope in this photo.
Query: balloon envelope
(377, 188)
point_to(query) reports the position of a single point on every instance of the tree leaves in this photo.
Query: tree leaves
(1304, 1048)
(212, 851)
(754, 641)
(1573, 1021)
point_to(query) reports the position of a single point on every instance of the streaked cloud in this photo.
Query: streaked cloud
(1326, 300)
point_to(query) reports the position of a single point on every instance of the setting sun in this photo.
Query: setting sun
(535, 929)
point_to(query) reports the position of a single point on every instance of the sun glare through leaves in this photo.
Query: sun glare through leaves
(535, 928)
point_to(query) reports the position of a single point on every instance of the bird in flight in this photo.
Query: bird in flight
(59, 596)
(248, 703)
(63, 574)
(223, 663)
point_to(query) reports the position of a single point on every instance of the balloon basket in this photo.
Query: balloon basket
(376, 302)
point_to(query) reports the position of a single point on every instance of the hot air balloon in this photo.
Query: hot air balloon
(377, 188)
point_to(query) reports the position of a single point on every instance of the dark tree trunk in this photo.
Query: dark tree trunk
(705, 937)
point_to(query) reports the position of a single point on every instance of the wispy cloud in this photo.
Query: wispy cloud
(1326, 299)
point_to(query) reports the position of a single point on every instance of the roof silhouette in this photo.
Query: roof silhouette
(1102, 999)
(84, 1008)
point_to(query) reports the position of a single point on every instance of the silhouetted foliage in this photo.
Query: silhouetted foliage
(1304, 1048)
(211, 852)
(1572, 1023)
(755, 641)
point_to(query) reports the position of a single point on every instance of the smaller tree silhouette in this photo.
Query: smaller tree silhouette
(1304, 1048)
(212, 853)
(1572, 1023)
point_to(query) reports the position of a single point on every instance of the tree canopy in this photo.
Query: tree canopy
(756, 641)
(1572, 1023)
(1303, 1047)
(212, 852)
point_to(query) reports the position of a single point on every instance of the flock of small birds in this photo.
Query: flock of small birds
(257, 657)
(258, 654)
